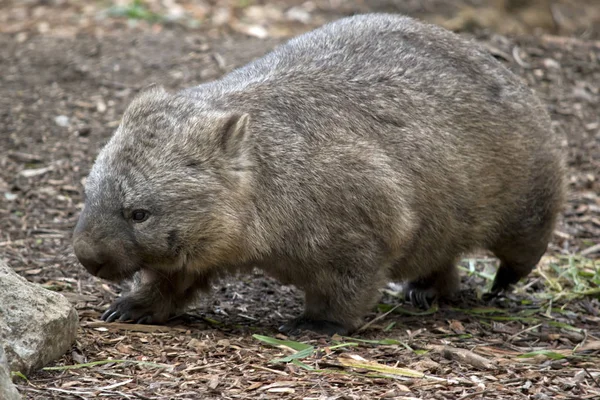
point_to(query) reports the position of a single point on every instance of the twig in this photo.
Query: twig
(201, 367)
(378, 318)
(119, 85)
(141, 396)
(282, 373)
(585, 337)
(467, 396)
(132, 327)
(591, 250)
(591, 376)
(510, 339)
(466, 356)
(220, 61)
(569, 396)
(73, 393)
(561, 41)
(497, 52)
(114, 385)
(518, 59)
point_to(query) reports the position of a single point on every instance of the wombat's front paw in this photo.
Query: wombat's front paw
(419, 297)
(297, 325)
(131, 309)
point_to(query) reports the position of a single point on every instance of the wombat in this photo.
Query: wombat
(373, 149)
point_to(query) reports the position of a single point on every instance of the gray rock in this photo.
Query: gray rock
(37, 325)
(7, 389)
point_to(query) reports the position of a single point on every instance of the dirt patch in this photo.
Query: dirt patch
(63, 88)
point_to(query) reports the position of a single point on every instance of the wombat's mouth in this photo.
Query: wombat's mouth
(113, 263)
(115, 273)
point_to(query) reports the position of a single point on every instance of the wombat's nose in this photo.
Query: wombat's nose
(89, 257)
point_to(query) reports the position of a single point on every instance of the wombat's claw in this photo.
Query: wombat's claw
(297, 325)
(110, 315)
(494, 293)
(421, 298)
(114, 313)
(490, 296)
(124, 317)
(144, 320)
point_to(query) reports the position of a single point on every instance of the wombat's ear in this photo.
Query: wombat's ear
(234, 134)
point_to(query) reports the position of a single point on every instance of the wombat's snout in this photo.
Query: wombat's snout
(92, 259)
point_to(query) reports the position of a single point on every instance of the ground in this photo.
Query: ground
(69, 68)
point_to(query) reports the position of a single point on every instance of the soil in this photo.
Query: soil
(69, 70)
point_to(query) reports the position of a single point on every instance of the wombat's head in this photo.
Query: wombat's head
(167, 189)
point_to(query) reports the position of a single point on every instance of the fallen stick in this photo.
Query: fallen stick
(464, 356)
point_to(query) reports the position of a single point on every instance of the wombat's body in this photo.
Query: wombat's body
(375, 148)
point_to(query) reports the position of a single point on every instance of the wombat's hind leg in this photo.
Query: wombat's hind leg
(524, 241)
(517, 260)
(339, 300)
(422, 293)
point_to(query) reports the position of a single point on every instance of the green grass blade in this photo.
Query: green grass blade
(296, 356)
(278, 342)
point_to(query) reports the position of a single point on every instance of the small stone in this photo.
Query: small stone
(21, 37)
(262, 13)
(213, 382)
(221, 16)
(43, 27)
(257, 31)
(84, 131)
(100, 106)
(10, 196)
(582, 94)
(551, 64)
(298, 14)
(62, 120)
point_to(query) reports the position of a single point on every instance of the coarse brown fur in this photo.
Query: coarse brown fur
(375, 148)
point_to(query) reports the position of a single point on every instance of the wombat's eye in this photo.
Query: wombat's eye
(139, 215)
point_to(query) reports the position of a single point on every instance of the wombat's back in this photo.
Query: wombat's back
(358, 73)
(379, 50)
